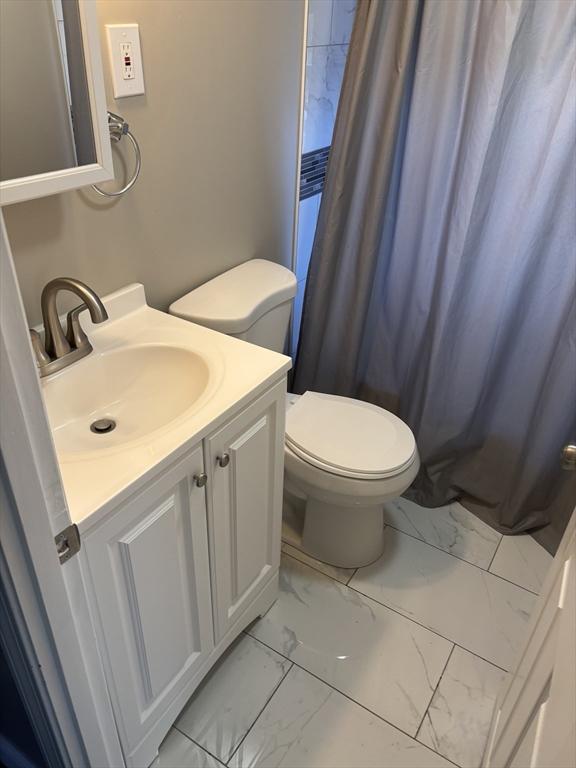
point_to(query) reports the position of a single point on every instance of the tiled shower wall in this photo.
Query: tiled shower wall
(329, 27)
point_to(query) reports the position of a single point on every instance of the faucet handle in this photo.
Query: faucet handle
(42, 357)
(74, 333)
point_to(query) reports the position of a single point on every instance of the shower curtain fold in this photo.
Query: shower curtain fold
(442, 283)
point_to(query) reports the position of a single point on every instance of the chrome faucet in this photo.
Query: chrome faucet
(62, 349)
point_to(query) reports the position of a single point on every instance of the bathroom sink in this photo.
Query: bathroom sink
(152, 388)
(112, 398)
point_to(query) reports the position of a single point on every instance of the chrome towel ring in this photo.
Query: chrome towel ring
(118, 127)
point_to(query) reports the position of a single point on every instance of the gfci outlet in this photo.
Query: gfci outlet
(125, 59)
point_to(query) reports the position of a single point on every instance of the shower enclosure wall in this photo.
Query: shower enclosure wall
(329, 27)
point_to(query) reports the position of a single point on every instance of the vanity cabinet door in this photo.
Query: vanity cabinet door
(151, 583)
(246, 463)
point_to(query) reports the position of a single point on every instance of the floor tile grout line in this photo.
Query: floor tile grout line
(293, 546)
(458, 557)
(268, 700)
(314, 568)
(322, 573)
(474, 565)
(197, 744)
(434, 692)
(352, 576)
(427, 543)
(494, 555)
(434, 631)
(354, 701)
(394, 610)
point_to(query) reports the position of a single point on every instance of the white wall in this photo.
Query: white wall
(218, 128)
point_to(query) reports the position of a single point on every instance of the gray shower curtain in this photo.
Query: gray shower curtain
(443, 275)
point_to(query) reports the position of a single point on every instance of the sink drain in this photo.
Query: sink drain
(102, 426)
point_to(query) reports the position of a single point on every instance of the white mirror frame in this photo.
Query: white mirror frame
(43, 184)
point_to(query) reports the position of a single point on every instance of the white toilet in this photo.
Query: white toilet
(343, 457)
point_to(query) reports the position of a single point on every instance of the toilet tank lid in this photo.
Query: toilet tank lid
(234, 300)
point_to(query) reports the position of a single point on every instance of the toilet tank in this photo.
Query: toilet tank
(252, 302)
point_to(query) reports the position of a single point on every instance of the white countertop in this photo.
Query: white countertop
(96, 481)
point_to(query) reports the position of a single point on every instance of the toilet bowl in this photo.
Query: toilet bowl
(343, 457)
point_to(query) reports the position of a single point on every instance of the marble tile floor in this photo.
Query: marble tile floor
(396, 665)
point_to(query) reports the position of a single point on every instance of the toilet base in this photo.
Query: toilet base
(346, 537)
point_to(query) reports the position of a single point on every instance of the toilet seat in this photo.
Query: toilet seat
(349, 437)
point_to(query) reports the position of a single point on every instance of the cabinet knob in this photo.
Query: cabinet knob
(201, 479)
(223, 460)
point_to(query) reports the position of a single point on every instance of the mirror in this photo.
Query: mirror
(53, 123)
(45, 120)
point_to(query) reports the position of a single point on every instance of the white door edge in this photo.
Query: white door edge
(51, 597)
(533, 720)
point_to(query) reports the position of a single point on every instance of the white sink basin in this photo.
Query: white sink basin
(165, 382)
(140, 389)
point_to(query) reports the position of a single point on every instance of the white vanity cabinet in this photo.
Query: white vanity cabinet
(151, 585)
(179, 569)
(247, 461)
